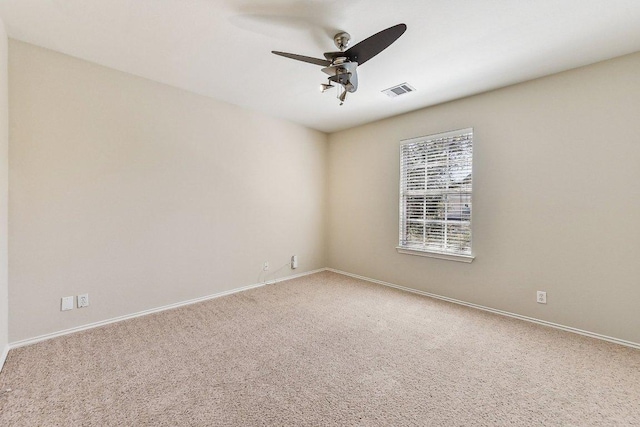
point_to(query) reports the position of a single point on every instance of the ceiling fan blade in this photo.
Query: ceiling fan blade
(316, 61)
(370, 47)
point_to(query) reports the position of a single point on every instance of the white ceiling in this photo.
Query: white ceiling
(221, 48)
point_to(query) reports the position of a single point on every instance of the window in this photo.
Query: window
(435, 195)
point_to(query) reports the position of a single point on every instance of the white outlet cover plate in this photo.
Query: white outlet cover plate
(67, 304)
(542, 297)
(83, 300)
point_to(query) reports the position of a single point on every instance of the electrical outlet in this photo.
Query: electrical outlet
(83, 300)
(541, 297)
(67, 304)
(294, 262)
(265, 266)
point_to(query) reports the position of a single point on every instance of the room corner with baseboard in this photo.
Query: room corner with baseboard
(4, 196)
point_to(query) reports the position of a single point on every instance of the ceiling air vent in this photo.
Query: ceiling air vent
(398, 90)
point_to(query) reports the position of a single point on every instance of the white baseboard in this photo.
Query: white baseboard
(34, 340)
(493, 310)
(51, 335)
(3, 356)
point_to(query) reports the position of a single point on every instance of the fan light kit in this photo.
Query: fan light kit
(341, 66)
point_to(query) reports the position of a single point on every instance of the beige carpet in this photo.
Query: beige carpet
(322, 350)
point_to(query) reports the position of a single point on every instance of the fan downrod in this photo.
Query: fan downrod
(342, 40)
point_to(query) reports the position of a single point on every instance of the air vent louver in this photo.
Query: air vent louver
(398, 90)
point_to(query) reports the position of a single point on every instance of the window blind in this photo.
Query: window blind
(435, 193)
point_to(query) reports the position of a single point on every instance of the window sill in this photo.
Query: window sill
(448, 257)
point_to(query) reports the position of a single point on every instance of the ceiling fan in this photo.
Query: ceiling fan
(341, 66)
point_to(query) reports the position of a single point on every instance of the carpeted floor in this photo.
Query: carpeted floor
(322, 350)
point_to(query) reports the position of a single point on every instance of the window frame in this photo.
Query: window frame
(410, 250)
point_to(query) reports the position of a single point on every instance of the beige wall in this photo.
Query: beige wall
(144, 195)
(4, 190)
(556, 199)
